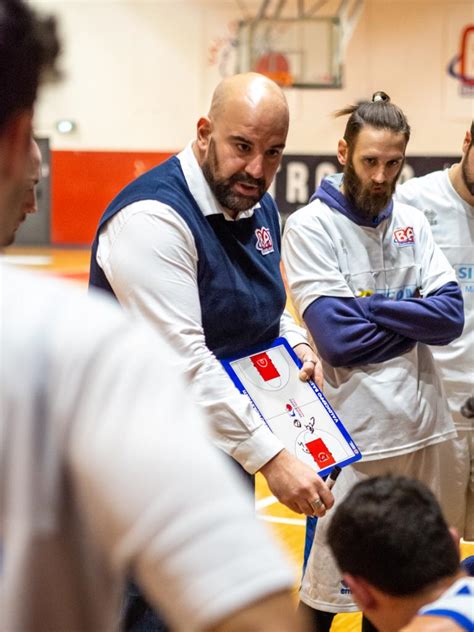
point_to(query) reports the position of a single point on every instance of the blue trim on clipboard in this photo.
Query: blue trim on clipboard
(226, 363)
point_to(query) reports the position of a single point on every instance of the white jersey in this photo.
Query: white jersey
(452, 224)
(457, 604)
(105, 472)
(394, 407)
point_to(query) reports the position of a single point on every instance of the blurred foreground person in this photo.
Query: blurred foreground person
(400, 559)
(104, 466)
(33, 176)
(106, 471)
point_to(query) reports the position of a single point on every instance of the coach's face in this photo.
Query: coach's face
(241, 148)
(372, 167)
(15, 139)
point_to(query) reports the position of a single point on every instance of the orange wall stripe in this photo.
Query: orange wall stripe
(82, 185)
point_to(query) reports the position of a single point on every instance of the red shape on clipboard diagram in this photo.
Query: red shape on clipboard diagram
(320, 453)
(264, 366)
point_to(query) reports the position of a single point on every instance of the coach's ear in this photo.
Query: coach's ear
(15, 139)
(342, 151)
(204, 130)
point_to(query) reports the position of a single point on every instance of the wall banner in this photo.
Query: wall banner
(299, 175)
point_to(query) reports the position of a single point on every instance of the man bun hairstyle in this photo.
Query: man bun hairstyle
(380, 96)
(379, 113)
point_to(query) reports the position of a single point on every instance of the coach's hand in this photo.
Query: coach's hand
(312, 368)
(296, 485)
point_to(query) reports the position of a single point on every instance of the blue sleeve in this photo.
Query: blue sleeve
(436, 319)
(345, 336)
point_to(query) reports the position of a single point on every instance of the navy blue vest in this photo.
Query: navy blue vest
(241, 290)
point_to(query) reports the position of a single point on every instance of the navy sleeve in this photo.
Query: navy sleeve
(345, 336)
(436, 319)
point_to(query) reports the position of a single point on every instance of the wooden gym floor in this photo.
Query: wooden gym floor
(288, 527)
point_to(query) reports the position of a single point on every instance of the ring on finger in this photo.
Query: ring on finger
(317, 503)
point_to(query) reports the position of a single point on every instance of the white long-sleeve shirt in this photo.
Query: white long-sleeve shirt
(149, 257)
(105, 471)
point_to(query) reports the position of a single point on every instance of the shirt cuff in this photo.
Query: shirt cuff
(258, 449)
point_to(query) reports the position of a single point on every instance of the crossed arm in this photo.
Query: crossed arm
(350, 330)
(357, 331)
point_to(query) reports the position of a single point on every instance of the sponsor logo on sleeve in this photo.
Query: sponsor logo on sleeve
(264, 240)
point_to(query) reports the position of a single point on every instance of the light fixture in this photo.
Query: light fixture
(66, 126)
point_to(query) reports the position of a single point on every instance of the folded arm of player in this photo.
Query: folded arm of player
(436, 319)
(345, 336)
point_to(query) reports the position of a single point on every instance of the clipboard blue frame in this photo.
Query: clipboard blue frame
(226, 363)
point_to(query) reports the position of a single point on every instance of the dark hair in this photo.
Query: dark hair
(28, 49)
(391, 532)
(379, 113)
(472, 134)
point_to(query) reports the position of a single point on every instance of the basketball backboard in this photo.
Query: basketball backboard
(297, 44)
(292, 51)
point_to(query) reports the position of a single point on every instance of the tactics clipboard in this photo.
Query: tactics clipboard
(297, 412)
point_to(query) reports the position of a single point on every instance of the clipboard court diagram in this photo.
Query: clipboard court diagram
(296, 411)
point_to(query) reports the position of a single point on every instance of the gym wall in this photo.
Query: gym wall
(138, 74)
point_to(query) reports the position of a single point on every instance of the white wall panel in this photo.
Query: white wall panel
(137, 73)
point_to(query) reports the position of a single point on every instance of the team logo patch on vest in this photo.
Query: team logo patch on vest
(264, 240)
(404, 236)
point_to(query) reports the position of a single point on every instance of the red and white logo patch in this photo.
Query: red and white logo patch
(264, 240)
(404, 236)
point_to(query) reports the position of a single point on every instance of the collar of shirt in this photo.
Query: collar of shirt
(200, 189)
